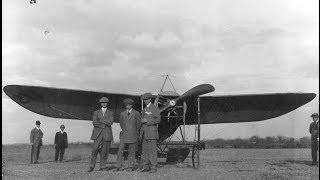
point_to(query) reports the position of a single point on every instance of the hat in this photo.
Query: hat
(128, 101)
(103, 100)
(146, 96)
(315, 115)
(62, 126)
(38, 123)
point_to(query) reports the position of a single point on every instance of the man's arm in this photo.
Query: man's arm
(310, 127)
(66, 145)
(138, 122)
(56, 138)
(121, 121)
(155, 117)
(95, 121)
(32, 137)
(109, 121)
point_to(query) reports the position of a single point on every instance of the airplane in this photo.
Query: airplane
(190, 108)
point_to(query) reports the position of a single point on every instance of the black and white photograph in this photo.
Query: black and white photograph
(160, 89)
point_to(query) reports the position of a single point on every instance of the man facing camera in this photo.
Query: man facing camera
(149, 134)
(130, 122)
(36, 142)
(314, 131)
(102, 120)
(61, 143)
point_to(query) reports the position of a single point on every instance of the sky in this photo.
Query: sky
(125, 46)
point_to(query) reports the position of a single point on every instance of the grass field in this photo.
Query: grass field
(215, 164)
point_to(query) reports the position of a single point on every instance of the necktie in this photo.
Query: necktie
(128, 113)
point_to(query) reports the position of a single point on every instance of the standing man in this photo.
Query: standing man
(36, 142)
(102, 120)
(149, 134)
(314, 131)
(61, 142)
(130, 122)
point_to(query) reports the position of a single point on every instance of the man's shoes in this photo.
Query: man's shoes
(153, 170)
(36, 162)
(90, 169)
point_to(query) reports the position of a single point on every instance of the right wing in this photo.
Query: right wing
(245, 108)
(66, 103)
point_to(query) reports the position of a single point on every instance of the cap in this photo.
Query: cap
(104, 100)
(147, 96)
(38, 123)
(128, 101)
(315, 115)
(62, 126)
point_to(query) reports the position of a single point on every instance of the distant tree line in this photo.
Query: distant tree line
(258, 142)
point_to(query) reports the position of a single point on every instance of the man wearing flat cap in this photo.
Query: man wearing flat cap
(36, 142)
(314, 131)
(102, 120)
(149, 134)
(61, 143)
(130, 122)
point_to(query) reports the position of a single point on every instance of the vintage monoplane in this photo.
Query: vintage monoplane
(177, 111)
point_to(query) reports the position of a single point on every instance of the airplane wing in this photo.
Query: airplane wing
(65, 103)
(244, 108)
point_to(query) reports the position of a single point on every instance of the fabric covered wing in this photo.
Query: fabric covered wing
(245, 108)
(65, 103)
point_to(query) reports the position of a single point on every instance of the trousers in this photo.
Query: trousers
(131, 154)
(35, 152)
(59, 153)
(314, 150)
(104, 152)
(149, 153)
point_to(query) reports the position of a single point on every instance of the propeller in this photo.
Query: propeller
(193, 92)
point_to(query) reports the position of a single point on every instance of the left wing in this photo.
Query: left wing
(66, 103)
(244, 108)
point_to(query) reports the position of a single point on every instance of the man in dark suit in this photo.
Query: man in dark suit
(36, 142)
(130, 122)
(61, 142)
(102, 120)
(149, 134)
(314, 131)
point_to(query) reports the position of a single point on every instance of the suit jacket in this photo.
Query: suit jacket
(130, 126)
(36, 137)
(102, 125)
(61, 140)
(314, 127)
(150, 128)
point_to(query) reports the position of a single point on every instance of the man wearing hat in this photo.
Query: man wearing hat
(61, 143)
(36, 142)
(314, 131)
(130, 122)
(102, 120)
(149, 134)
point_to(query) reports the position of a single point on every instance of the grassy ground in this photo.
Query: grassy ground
(215, 164)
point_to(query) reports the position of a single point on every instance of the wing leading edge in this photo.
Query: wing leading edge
(246, 108)
(65, 103)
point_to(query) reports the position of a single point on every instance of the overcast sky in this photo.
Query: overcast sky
(240, 47)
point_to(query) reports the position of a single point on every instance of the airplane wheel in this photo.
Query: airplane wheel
(195, 157)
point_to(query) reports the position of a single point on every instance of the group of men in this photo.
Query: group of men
(60, 142)
(134, 127)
